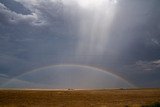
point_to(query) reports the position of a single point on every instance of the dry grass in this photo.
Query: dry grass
(79, 98)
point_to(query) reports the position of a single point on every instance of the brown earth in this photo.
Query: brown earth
(79, 98)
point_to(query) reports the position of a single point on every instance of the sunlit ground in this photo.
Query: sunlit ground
(80, 98)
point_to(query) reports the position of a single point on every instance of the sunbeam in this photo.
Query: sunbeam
(94, 28)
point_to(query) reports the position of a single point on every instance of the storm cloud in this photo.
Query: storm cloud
(120, 35)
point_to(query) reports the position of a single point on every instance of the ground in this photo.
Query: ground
(79, 98)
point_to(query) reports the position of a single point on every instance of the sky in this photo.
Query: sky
(69, 40)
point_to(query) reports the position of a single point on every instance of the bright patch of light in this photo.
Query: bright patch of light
(115, 1)
(90, 3)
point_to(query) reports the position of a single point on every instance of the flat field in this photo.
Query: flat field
(79, 98)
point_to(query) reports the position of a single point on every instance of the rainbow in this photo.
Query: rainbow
(75, 65)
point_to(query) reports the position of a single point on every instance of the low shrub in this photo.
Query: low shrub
(156, 104)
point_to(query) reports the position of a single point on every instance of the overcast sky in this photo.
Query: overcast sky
(118, 35)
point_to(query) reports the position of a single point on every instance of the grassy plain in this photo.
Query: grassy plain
(79, 98)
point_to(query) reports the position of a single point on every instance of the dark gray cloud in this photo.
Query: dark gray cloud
(144, 73)
(14, 17)
(15, 6)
